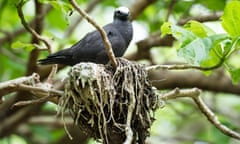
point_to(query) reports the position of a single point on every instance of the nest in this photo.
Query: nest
(114, 106)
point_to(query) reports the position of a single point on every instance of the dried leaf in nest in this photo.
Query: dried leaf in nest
(112, 106)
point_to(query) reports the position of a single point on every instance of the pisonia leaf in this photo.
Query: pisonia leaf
(181, 34)
(203, 51)
(235, 75)
(19, 45)
(231, 18)
(198, 28)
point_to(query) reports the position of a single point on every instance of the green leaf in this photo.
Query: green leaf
(198, 28)
(196, 51)
(234, 46)
(181, 34)
(213, 4)
(231, 19)
(62, 5)
(235, 75)
(166, 28)
(19, 44)
(202, 51)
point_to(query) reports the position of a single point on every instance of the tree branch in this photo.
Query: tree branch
(102, 32)
(10, 86)
(28, 28)
(214, 119)
(204, 18)
(72, 27)
(170, 8)
(39, 37)
(216, 82)
(183, 67)
(11, 35)
(195, 95)
(177, 93)
(29, 83)
(50, 121)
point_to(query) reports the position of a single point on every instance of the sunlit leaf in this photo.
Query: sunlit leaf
(196, 51)
(166, 28)
(198, 28)
(235, 75)
(19, 44)
(213, 4)
(231, 19)
(201, 51)
(181, 34)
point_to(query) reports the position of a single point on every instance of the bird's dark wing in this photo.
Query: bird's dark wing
(87, 48)
(117, 42)
(90, 49)
(93, 49)
(84, 50)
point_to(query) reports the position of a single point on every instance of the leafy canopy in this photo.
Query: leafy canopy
(201, 46)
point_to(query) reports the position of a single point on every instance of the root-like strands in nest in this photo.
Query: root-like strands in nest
(115, 106)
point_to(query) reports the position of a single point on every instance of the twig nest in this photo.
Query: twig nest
(112, 106)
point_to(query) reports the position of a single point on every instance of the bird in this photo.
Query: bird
(91, 47)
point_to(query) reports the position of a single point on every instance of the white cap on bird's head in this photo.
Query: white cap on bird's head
(122, 13)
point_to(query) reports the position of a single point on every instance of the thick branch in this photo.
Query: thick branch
(9, 123)
(102, 32)
(217, 81)
(30, 83)
(10, 86)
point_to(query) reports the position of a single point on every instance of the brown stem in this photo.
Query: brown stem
(195, 95)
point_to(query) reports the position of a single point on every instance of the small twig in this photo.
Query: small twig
(50, 120)
(202, 18)
(182, 67)
(37, 101)
(8, 86)
(12, 35)
(214, 119)
(170, 8)
(39, 47)
(28, 28)
(72, 27)
(102, 32)
(41, 91)
(30, 83)
(177, 93)
(35, 34)
(131, 107)
(195, 95)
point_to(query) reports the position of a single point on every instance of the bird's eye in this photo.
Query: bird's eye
(118, 11)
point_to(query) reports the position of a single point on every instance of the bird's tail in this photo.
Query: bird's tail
(61, 57)
(48, 60)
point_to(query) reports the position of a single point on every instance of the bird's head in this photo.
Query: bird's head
(122, 13)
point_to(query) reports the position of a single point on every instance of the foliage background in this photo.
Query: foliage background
(178, 122)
